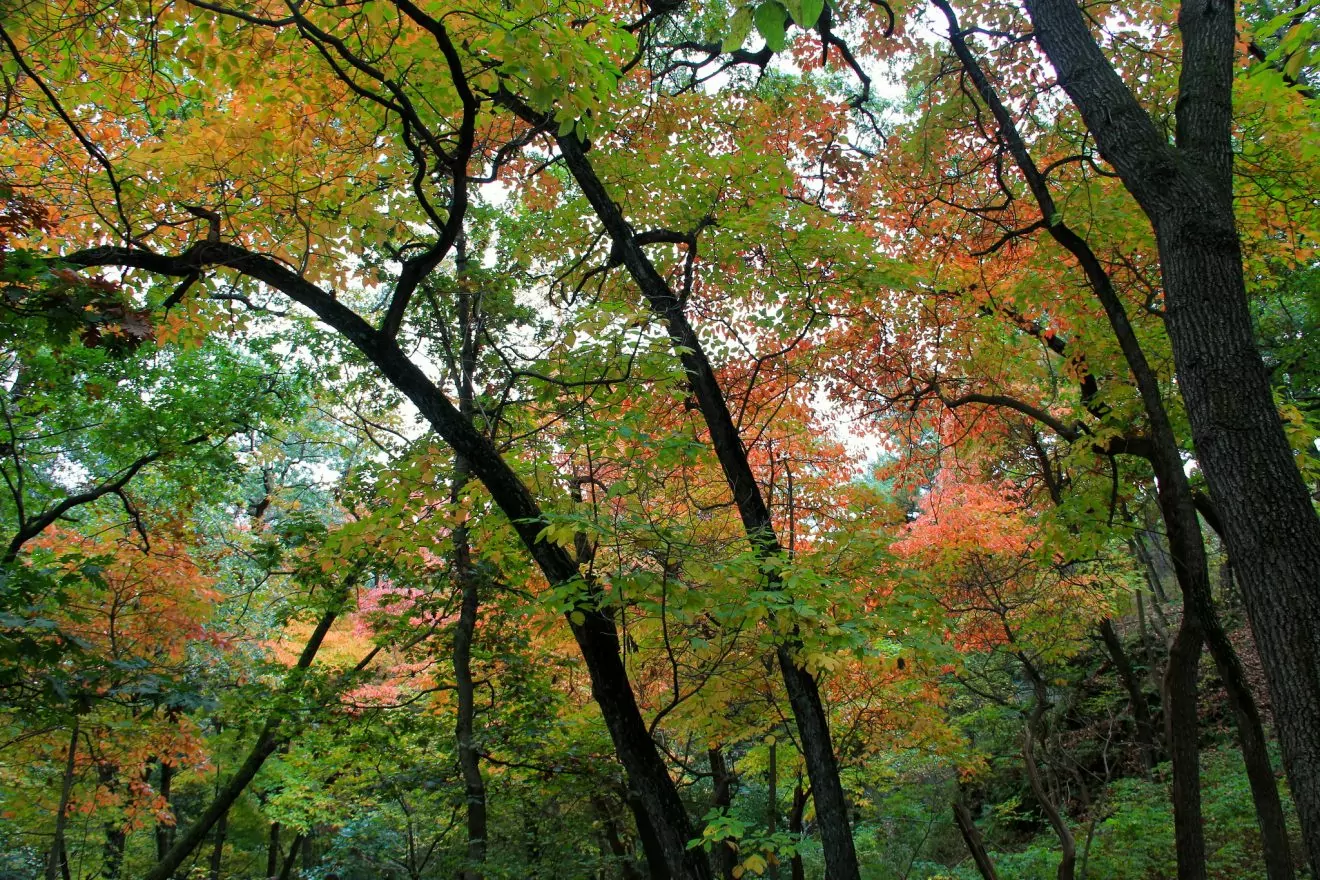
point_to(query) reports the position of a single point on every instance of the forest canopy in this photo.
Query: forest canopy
(583, 439)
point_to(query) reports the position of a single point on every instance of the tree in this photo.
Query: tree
(451, 142)
(610, 258)
(1270, 524)
(993, 209)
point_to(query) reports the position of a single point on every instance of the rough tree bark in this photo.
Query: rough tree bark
(1179, 696)
(796, 813)
(469, 760)
(112, 850)
(652, 847)
(164, 831)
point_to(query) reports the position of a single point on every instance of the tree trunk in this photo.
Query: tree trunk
(1270, 525)
(1275, 845)
(971, 835)
(295, 849)
(164, 832)
(469, 760)
(218, 849)
(57, 859)
(795, 816)
(652, 846)
(273, 853)
(1180, 731)
(772, 799)
(465, 578)
(112, 851)
(726, 857)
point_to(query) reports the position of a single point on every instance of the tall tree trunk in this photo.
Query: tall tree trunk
(465, 578)
(112, 851)
(469, 760)
(726, 857)
(772, 798)
(1270, 524)
(57, 859)
(1180, 726)
(652, 847)
(971, 835)
(273, 852)
(218, 848)
(164, 831)
(796, 814)
(1275, 844)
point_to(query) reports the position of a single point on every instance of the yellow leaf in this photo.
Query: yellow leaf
(754, 863)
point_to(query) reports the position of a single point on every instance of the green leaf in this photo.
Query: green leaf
(811, 10)
(1280, 21)
(740, 25)
(772, 23)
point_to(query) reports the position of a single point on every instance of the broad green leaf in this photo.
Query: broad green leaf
(772, 23)
(740, 25)
(811, 10)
